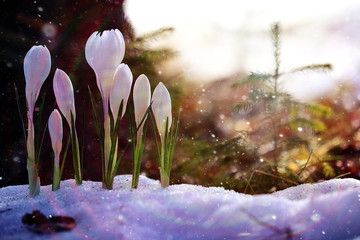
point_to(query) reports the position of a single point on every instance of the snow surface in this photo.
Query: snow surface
(327, 210)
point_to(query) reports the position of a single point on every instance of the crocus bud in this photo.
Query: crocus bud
(161, 108)
(56, 131)
(64, 94)
(142, 96)
(104, 52)
(37, 65)
(120, 90)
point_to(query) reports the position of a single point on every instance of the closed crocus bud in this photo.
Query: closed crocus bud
(161, 108)
(142, 96)
(56, 131)
(64, 94)
(37, 64)
(104, 52)
(120, 90)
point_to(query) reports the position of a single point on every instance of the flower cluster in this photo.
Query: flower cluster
(104, 53)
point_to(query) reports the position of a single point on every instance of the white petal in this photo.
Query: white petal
(37, 64)
(123, 79)
(142, 97)
(121, 43)
(64, 94)
(104, 52)
(56, 131)
(161, 108)
(89, 48)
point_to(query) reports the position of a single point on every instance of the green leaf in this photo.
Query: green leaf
(308, 160)
(37, 158)
(152, 36)
(20, 115)
(313, 67)
(133, 135)
(328, 170)
(319, 110)
(113, 141)
(38, 127)
(244, 107)
(76, 152)
(132, 132)
(64, 157)
(97, 123)
(155, 135)
(253, 79)
(173, 140)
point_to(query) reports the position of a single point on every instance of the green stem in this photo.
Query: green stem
(107, 143)
(162, 154)
(164, 178)
(137, 161)
(56, 173)
(77, 163)
(76, 152)
(34, 180)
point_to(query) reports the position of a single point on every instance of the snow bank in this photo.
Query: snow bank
(327, 210)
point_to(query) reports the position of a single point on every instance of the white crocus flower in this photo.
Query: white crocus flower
(56, 136)
(161, 108)
(142, 97)
(37, 64)
(56, 131)
(64, 94)
(104, 52)
(120, 90)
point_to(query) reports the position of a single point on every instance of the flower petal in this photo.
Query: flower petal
(104, 52)
(142, 96)
(88, 48)
(64, 94)
(56, 131)
(121, 88)
(37, 64)
(161, 108)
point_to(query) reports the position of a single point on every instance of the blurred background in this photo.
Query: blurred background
(262, 109)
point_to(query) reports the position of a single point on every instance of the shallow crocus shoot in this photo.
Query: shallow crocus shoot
(161, 108)
(64, 95)
(37, 64)
(119, 96)
(56, 135)
(104, 53)
(142, 97)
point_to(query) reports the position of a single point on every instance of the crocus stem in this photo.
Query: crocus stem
(115, 155)
(137, 163)
(162, 154)
(34, 180)
(56, 180)
(107, 142)
(76, 158)
(76, 152)
(164, 177)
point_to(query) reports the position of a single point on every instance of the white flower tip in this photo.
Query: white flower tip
(142, 97)
(56, 130)
(64, 94)
(37, 65)
(104, 52)
(120, 89)
(161, 106)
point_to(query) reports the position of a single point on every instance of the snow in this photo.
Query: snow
(326, 210)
